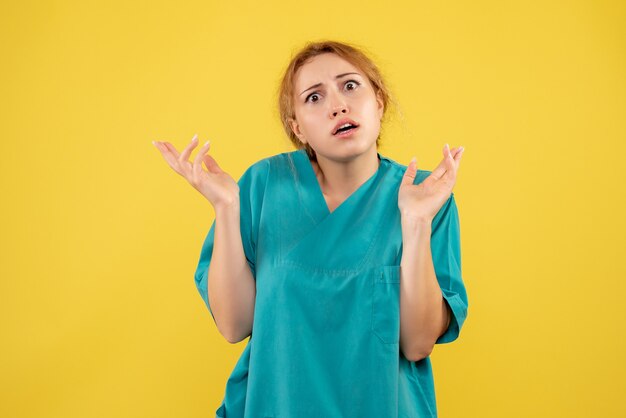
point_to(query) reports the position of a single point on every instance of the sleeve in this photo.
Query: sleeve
(445, 246)
(250, 199)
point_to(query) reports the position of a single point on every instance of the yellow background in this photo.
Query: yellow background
(100, 316)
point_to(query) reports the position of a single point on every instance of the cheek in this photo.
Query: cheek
(371, 111)
(310, 120)
(306, 125)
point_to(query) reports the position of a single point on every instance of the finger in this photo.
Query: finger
(444, 165)
(184, 156)
(452, 162)
(186, 167)
(171, 149)
(171, 160)
(183, 165)
(457, 157)
(409, 173)
(441, 168)
(455, 151)
(451, 156)
(447, 152)
(197, 162)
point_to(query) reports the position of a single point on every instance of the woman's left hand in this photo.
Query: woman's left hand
(422, 201)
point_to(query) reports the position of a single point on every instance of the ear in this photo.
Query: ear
(296, 130)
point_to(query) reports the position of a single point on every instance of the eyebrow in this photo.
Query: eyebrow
(319, 84)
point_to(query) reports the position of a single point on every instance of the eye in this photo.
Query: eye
(346, 83)
(353, 81)
(309, 96)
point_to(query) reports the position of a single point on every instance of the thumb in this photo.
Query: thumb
(409, 174)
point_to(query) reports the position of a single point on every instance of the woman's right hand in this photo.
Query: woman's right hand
(215, 184)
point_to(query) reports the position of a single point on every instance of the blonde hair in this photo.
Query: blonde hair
(348, 52)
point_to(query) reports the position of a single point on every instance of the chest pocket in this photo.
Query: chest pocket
(386, 304)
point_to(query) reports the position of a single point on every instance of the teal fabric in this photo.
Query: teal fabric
(325, 338)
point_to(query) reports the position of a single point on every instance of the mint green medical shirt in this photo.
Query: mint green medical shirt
(326, 331)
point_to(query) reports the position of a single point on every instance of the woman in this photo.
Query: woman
(342, 265)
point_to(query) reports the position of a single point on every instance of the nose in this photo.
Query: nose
(341, 109)
(337, 105)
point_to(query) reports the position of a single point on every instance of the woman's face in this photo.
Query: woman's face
(343, 92)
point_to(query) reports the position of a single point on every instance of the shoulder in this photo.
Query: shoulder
(268, 167)
(273, 163)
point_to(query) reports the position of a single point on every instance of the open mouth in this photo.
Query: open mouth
(345, 129)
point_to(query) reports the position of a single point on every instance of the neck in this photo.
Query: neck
(341, 178)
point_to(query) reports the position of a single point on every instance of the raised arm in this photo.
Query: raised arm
(224, 277)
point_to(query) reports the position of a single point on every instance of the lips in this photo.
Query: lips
(342, 122)
(347, 133)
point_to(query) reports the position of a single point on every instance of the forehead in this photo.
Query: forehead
(321, 68)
